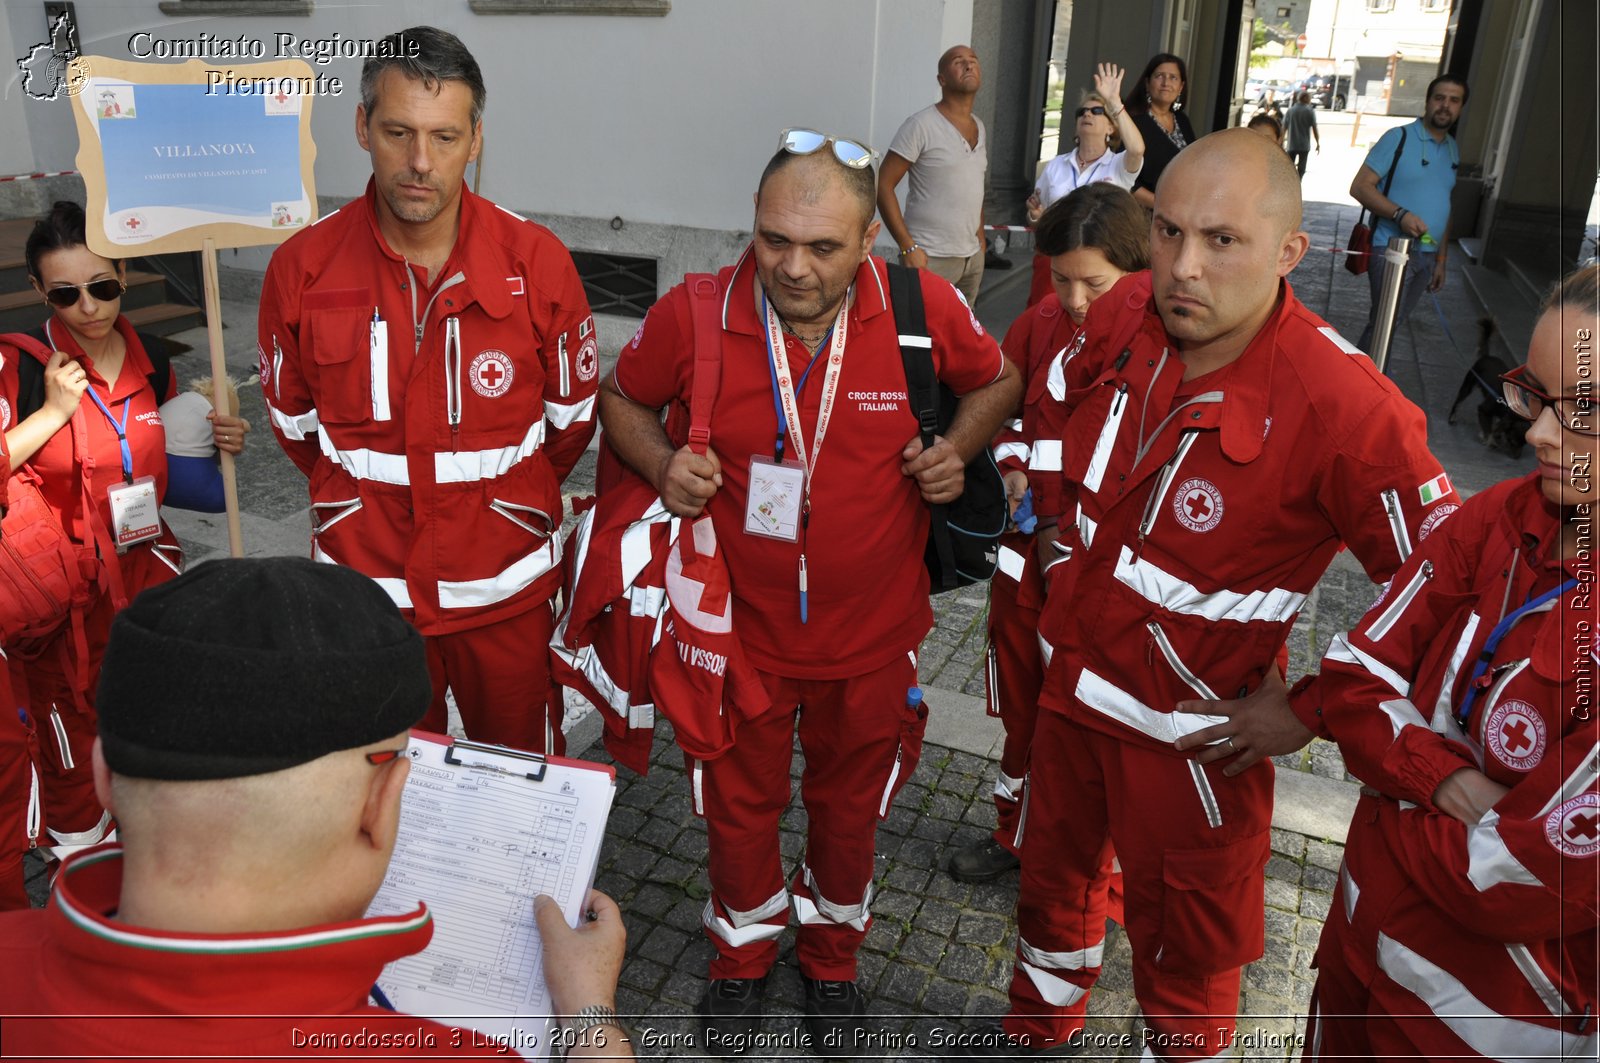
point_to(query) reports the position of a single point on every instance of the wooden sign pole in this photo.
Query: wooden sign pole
(219, 390)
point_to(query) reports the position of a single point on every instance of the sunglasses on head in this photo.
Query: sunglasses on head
(1081, 111)
(850, 153)
(102, 291)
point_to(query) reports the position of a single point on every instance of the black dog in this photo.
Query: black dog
(1498, 428)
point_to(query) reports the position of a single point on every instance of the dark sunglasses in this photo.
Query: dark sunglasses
(102, 291)
(1575, 414)
(850, 153)
(1081, 111)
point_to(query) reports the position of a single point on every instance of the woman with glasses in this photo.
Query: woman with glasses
(1463, 925)
(87, 423)
(1100, 118)
(1156, 102)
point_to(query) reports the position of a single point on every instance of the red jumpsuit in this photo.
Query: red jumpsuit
(74, 980)
(1195, 517)
(1447, 941)
(21, 803)
(437, 469)
(57, 678)
(853, 661)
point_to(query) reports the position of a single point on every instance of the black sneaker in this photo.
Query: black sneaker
(989, 1040)
(983, 861)
(835, 1014)
(730, 1014)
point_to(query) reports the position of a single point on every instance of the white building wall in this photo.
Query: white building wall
(1344, 29)
(660, 121)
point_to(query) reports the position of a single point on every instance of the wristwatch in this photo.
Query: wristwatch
(594, 1015)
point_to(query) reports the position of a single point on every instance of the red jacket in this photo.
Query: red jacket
(436, 459)
(74, 980)
(1196, 516)
(1502, 913)
(1033, 343)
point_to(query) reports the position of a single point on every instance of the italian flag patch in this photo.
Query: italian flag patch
(1434, 489)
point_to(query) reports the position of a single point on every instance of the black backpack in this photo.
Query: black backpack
(30, 375)
(964, 535)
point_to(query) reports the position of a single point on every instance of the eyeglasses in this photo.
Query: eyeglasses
(850, 153)
(1575, 413)
(384, 756)
(103, 291)
(1081, 111)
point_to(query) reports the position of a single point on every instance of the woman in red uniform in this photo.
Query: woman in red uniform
(86, 421)
(1093, 237)
(1463, 926)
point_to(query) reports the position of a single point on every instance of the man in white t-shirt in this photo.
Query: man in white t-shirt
(946, 151)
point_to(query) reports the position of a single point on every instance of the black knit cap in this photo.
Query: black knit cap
(246, 666)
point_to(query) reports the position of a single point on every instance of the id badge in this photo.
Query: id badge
(772, 509)
(135, 512)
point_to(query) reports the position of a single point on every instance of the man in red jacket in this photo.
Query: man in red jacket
(436, 459)
(1219, 443)
(253, 726)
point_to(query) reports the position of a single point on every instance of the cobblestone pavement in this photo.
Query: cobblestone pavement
(939, 952)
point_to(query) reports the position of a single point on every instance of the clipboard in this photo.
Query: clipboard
(483, 830)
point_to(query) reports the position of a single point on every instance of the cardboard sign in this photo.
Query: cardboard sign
(174, 154)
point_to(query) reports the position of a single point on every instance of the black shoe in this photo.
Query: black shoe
(989, 1040)
(982, 861)
(994, 261)
(835, 1014)
(730, 1014)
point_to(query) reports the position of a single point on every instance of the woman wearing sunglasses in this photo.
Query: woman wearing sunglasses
(1100, 117)
(86, 423)
(1464, 922)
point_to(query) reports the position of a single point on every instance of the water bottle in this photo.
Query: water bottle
(1024, 518)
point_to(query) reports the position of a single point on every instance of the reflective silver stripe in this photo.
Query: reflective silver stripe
(888, 787)
(1066, 960)
(1046, 651)
(35, 821)
(1194, 682)
(1015, 424)
(1106, 697)
(1352, 892)
(1380, 627)
(1169, 472)
(65, 841)
(698, 785)
(635, 546)
(1006, 788)
(818, 909)
(343, 508)
(395, 587)
(1022, 815)
(1443, 709)
(1484, 1031)
(991, 675)
(1208, 800)
(563, 415)
(1019, 451)
(1397, 522)
(294, 426)
(1344, 652)
(925, 342)
(160, 552)
(378, 356)
(1086, 527)
(363, 464)
(475, 593)
(746, 928)
(521, 515)
(1538, 981)
(646, 601)
(1582, 777)
(1314, 1021)
(468, 466)
(1045, 456)
(1054, 989)
(1178, 595)
(1108, 439)
(1495, 691)
(62, 745)
(1402, 714)
(1149, 1054)
(1489, 862)
(277, 363)
(1010, 562)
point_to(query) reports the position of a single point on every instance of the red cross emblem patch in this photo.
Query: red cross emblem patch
(1515, 733)
(1197, 504)
(588, 359)
(133, 224)
(1436, 516)
(1574, 828)
(490, 374)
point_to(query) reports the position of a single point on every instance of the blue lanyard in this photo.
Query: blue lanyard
(800, 386)
(1500, 631)
(121, 428)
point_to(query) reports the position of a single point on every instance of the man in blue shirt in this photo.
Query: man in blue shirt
(1416, 201)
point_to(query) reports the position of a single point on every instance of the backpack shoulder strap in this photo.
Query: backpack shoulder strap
(707, 381)
(916, 347)
(30, 372)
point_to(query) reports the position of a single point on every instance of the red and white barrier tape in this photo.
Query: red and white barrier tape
(1008, 228)
(36, 176)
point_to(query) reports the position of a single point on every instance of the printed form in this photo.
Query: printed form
(478, 841)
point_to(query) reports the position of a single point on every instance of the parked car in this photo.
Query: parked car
(1329, 91)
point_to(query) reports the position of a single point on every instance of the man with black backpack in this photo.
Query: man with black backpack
(817, 482)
